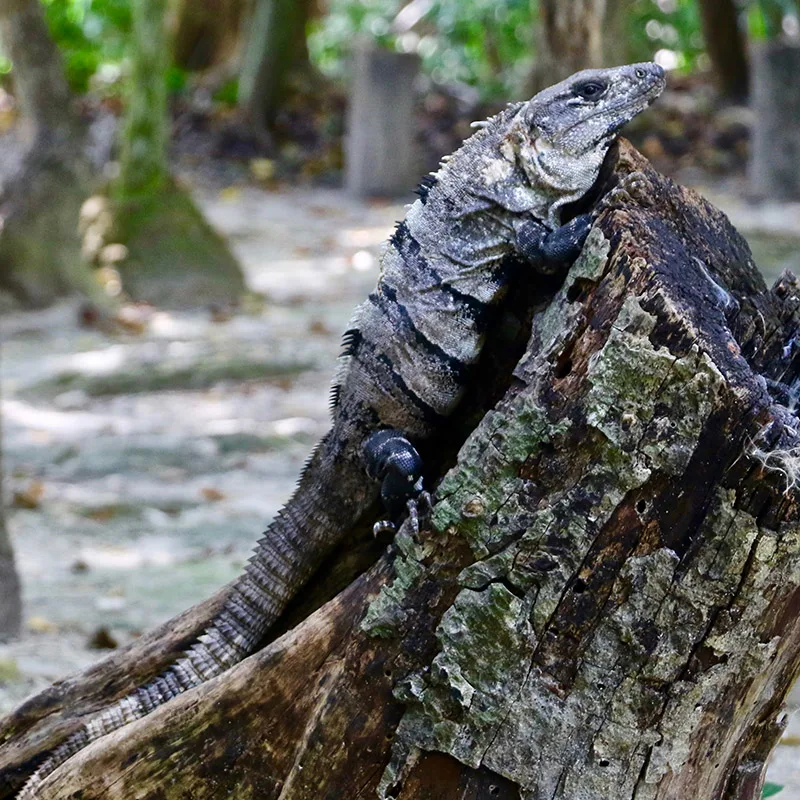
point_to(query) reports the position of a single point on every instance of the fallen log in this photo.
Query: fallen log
(604, 603)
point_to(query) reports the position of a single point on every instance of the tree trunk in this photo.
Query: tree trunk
(725, 45)
(10, 595)
(205, 34)
(174, 257)
(569, 37)
(39, 206)
(604, 604)
(616, 37)
(275, 55)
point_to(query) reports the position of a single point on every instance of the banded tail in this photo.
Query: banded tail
(292, 548)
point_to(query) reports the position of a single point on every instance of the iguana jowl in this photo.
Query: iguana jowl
(411, 348)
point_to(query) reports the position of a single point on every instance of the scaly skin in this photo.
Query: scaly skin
(411, 348)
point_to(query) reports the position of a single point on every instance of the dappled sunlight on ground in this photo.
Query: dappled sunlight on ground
(144, 467)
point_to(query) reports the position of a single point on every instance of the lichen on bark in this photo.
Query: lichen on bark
(625, 712)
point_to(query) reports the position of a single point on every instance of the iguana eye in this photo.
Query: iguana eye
(590, 90)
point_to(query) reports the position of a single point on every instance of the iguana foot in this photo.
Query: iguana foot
(552, 250)
(419, 510)
(384, 528)
(630, 189)
(394, 461)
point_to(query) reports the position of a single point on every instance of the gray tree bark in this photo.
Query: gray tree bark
(603, 605)
(275, 53)
(39, 206)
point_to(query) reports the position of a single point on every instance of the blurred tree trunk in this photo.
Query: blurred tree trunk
(725, 44)
(616, 39)
(603, 606)
(275, 59)
(205, 34)
(10, 593)
(569, 37)
(39, 206)
(174, 256)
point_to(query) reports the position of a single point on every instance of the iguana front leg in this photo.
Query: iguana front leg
(391, 459)
(550, 251)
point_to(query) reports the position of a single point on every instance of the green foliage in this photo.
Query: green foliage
(765, 17)
(668, 25)
(90, 34)
(228, 93)
(490, 44)
(485, 43)
(175, 79)
(771, 789)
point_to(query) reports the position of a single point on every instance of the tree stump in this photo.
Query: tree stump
(604, 604)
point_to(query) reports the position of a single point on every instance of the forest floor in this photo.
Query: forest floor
(143, 467)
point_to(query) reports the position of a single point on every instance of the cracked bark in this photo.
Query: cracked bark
(604, 604)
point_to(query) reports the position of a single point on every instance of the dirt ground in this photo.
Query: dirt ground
(144, 467)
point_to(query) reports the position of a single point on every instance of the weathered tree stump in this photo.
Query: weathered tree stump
(604, 605)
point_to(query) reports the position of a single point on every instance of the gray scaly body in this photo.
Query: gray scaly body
(411, 348)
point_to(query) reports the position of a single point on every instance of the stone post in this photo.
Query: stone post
(381, 154)
(775, 94)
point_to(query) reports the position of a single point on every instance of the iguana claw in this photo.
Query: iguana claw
(630, 190)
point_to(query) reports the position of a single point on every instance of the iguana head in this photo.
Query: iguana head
(586, 111)
(560, 137)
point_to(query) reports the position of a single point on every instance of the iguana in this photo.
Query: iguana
(411, 347)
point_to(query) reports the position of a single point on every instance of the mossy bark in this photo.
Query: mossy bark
(604, 603)
(174, 257)
(40, 256)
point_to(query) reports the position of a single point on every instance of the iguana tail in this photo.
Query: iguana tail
(290, 551)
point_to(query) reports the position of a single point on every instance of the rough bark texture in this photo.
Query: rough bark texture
(569, 37)
(605, 602)
(39, 206)
(10, 593)
(174, 257)
(725, 44)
